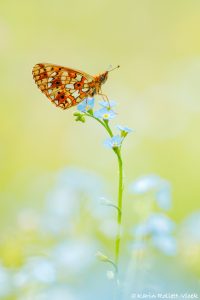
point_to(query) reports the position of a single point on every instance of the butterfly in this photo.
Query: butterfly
(67, 87)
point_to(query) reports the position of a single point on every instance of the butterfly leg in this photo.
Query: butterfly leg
(105, 98)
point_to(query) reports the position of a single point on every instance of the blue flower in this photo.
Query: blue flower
(163, 196)
(157, 230)
(114, 142)
(145, 184)
(166, 244)
(86, 105)
(153, 183)
(190, 228)
(105, 114)
(141, 230)
(160, 224)
(107, 104)
(124, 130)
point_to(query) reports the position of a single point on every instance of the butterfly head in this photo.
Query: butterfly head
(103, 77)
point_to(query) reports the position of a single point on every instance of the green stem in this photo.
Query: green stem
(120, 188)
(120, 198)
(104, 123)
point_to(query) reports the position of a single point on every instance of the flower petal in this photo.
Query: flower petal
(107, 104)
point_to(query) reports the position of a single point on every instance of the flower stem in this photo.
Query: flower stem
(120, 198)
(117, 151)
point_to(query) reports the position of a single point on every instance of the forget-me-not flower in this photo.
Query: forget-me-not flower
(113, 142)
(86, 105)
(124, 130)
(105, 114)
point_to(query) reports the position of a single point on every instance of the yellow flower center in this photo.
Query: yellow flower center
(105, 116)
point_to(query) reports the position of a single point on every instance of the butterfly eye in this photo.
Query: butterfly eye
(103, 78)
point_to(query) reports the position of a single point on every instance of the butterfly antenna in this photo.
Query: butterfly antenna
(113, 68)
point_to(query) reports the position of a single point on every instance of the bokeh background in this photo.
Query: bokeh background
(43, 151)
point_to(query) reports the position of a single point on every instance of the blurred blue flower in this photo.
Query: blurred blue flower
(165, 243)
(105, 114)
(39, 269)
(107, 104)
(191, 228)
(163, 195)
(141, 230)
(189, 240)
(86, 105)
(113, 142)
(160, 224)
(158, 185)
(81, 181)
(158, 230)
(73, 186)
(156, 224)
(74, 255)
(6, 287)
(144, 184)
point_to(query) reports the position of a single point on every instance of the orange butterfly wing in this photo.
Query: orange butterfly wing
(63, 86)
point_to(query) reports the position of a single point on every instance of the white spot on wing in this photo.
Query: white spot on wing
(78, 77)
(69, 101)
(76, 94)
(69, 86)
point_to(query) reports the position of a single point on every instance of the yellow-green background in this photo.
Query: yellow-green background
(157, 89)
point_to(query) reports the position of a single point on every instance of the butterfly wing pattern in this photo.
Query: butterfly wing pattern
(66, 87)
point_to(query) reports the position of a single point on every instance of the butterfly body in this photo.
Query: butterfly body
(66, 87)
